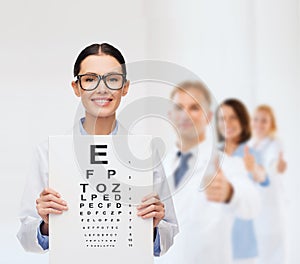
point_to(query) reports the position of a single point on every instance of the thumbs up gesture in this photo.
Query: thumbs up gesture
(281, 164)
(257, 171)
(220, 189)
(249, 160)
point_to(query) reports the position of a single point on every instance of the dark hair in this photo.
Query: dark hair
(96, 49)
(243, 116)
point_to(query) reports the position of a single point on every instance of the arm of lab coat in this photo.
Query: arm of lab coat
(37, 180)
(271, 158)
(167, 232)
(168, 227)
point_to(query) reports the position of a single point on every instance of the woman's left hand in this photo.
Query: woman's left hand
(152, 207)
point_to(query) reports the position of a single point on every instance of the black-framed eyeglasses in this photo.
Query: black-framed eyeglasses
(90, 81)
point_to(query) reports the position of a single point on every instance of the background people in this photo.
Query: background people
(205, 217)
(271, 223)
(234, 131)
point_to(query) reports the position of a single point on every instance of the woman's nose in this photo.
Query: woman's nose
(101, 88)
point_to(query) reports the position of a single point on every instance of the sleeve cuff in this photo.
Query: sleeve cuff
(42, 239)
(233, 202)
(266, 182)
(156, 242)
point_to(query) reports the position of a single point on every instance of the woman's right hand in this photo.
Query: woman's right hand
(249, 160)
(281, 164)
(49, 202)
(258, 172)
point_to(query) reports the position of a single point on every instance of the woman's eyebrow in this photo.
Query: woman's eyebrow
(89, 73)
(113, 72)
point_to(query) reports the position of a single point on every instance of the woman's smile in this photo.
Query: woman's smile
(102, 101)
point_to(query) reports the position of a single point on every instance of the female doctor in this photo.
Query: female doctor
(270, 224)
(233, 129)
(100, 82)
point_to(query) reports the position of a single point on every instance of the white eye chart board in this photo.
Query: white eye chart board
(102, 179)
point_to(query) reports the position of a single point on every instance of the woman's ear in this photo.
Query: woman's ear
(76, 88)
(125, 88)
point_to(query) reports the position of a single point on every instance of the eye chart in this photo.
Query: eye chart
(102, 179)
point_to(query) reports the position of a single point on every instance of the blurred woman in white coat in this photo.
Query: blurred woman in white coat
(234, 131)
(270, 224)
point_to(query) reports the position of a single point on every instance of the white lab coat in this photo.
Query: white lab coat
(270, 224)
(205, 227)
(38, 179)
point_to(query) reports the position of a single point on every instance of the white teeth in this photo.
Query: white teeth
(101, 101)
